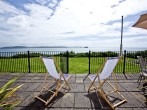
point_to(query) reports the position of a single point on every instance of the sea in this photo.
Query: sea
(74, 49)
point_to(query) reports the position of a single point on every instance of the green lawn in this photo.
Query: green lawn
(76, 65)
(80, 65)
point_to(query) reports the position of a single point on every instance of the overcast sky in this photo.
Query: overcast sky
(92, 23)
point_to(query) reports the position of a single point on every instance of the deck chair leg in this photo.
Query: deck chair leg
(92, 84)
(44, 87)
(55, 94)
(103, 95)
(67, 84)
(115, 90)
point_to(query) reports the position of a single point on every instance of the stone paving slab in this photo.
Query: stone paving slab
(77, 87)
(131, 101)
(139, 96)
(33, 87)
(72, 79)
(77, 98)
(81, 101)
(130, 86)
(68, 100)
(109, 88)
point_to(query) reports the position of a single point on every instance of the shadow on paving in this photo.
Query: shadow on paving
(97, 102)
(39, 105)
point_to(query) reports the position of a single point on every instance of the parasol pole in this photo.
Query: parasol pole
(121, 45)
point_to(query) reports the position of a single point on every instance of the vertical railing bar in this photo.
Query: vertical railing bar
(20, 60)
(89, 62)
(42, 54)
(15, 60)
(22, 67)
(3, 59)
(33, 68)
(67, 62)
(93, 62)
(26, 70)
(96, 58)
(9, 63)
(39, 54)
(5, 62)
(12, 60)
(58, 56)
(124, 64)
(37, 57)
(29, 62)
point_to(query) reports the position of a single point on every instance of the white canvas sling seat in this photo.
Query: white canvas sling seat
(98, 80)
(59, 79)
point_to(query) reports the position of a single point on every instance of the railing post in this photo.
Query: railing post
(89, 61)
(29, 62)
(88, 65)
(124, 64)
(67, 56)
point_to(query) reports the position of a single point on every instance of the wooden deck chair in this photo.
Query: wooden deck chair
(102, 77)
(59, 80)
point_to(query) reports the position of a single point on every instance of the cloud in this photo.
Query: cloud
(38, 11)
(71, 22)
(5, 7)
(131, 7)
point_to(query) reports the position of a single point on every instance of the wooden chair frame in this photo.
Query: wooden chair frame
(99, 88)
(60, 82)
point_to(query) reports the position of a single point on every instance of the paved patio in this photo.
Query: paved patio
(77, 98)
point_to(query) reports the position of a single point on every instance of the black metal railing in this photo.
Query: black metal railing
(30, 62)
(96, 60)
(127, 64)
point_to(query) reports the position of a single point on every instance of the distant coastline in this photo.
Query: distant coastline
(12, 47)
(77, 49)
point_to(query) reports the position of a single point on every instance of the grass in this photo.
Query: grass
(21, 65)
(76, 65)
